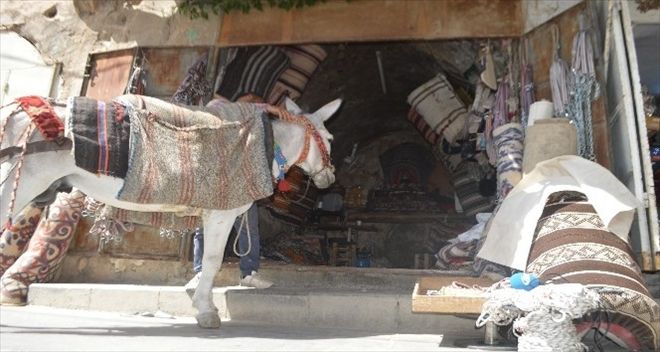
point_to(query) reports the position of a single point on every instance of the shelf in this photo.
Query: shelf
(340, 227)
(401, 217)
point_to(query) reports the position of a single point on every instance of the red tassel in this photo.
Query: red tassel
(283, 186)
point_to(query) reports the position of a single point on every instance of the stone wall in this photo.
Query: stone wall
(66, 31)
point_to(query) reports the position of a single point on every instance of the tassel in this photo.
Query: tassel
(283, 186)
(7, 224)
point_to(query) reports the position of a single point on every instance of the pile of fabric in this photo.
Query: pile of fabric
(459, 253)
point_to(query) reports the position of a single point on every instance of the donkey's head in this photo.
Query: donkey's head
(318, 164)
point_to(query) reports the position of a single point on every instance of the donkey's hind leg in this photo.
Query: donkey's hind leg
(217, 225)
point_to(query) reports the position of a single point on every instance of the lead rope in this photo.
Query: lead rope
(27, 134)
(3, 126)
(244, 219)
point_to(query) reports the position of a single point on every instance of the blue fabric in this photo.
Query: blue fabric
(247, 263)
(281, 161)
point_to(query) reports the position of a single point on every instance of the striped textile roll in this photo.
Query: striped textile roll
(508, 140)
(572, 244)
(441, 108)
(46, 249)
(253, 70)
(304, 59)
(418, 121)
(15, 238)
(466, 185)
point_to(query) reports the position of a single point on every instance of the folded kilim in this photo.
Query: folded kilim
(212, 158)
(100, 133)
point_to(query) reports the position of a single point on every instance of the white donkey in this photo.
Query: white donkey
(41, 169)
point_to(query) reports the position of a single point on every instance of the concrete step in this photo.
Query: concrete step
(78, 268)
(363, 309)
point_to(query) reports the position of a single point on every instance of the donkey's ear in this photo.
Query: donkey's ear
(328, 110)
(292, 107)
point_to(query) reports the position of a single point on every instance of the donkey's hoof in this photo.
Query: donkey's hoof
(208, 320)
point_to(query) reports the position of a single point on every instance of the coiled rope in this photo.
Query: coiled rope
(542, 318)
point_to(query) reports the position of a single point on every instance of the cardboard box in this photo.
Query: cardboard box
(423, 303)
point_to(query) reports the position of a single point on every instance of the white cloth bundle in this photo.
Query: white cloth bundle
(436, 101)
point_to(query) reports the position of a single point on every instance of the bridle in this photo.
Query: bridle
(310, 132)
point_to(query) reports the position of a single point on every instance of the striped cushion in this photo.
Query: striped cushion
(441, 108)
(572, 244)
(304, 60)
(418, 121)
(466, 185)
(253, 70)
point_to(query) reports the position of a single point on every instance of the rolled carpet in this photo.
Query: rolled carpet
(46, 249)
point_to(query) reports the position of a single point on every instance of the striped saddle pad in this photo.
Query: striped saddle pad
(100, 133)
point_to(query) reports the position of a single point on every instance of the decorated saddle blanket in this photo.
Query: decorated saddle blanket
(100, 133)
(212, 158)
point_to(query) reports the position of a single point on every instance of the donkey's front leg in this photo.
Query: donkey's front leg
(217, 225)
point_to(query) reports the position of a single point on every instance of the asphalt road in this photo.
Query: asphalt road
(35, 328)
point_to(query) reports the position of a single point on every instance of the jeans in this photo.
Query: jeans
(247, 263)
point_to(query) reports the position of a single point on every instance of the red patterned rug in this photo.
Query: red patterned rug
(15, 239)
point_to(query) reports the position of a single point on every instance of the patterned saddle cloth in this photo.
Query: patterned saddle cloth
(212, 158)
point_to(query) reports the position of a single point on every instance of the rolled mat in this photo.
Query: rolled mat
(547, 139)
(508, 140)
(572, 244)
(46, 249)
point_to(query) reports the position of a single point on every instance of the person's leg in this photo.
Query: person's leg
(249, 262)
(198, 250)
(198, 253)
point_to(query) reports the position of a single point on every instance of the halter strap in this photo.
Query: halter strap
(310, 132)
(36, 147)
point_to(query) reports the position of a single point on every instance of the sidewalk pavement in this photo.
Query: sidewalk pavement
(35, 328)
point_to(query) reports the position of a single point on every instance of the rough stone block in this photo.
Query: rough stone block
(268, 307)
(124, 298)
(68, 296)
(359, 311)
